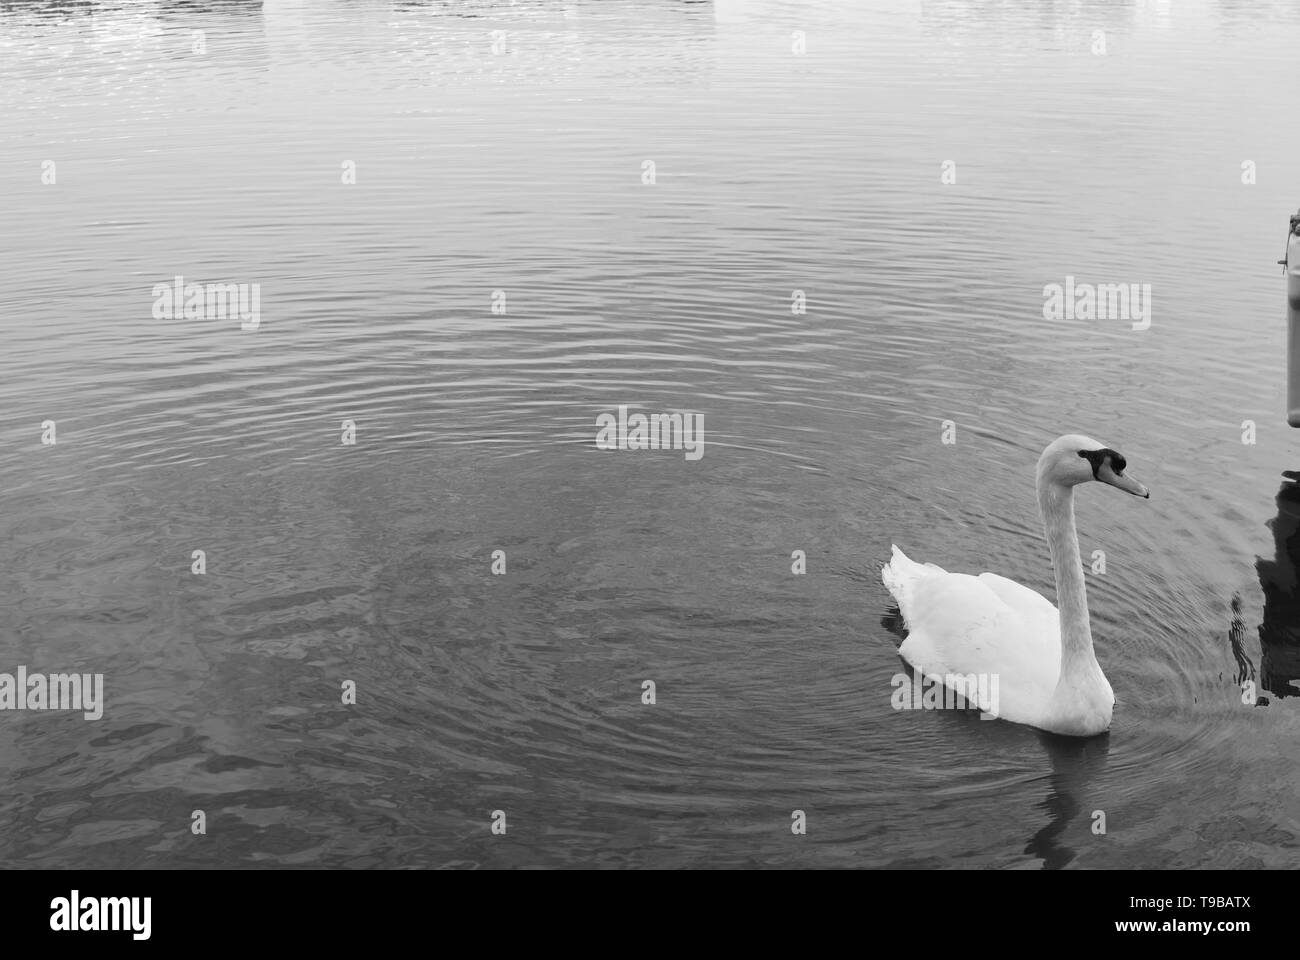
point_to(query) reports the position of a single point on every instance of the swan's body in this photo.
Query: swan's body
(959, 624)
(1047, 672)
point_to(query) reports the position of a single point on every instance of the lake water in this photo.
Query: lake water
(499, 156)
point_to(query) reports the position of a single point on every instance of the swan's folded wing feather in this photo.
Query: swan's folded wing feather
(955, 618)
(962, 624)
(1030, 604)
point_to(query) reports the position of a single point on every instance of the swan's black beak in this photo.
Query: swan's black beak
(1107, 475)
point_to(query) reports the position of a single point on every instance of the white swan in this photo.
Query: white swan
(1047, 675)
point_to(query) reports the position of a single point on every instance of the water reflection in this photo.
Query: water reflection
(47, 8)
(1077, 764)
(957, 17)
(1237, 640)
(1279, 633)
(1256, 12)
(67, 9)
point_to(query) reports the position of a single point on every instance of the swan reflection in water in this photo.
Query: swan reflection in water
(1077, 764)
(1279, 632)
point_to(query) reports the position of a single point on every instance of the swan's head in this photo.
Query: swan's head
(1074, 459)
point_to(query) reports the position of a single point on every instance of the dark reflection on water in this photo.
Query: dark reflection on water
(1279, 632)
(1237, 643)
(1077, 766)
(83, 8)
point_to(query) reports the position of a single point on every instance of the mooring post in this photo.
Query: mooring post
(1291, 266)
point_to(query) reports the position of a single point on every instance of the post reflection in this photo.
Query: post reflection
(1279, 631)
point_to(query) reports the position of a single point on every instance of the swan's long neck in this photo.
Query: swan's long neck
(1057, 504)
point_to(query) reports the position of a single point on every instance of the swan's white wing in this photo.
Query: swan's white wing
(1030, 604)
(961, 624)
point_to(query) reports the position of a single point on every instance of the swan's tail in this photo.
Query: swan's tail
(900, 576)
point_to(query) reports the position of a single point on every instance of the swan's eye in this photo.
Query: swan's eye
(1094, 459)
(1118, 463)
